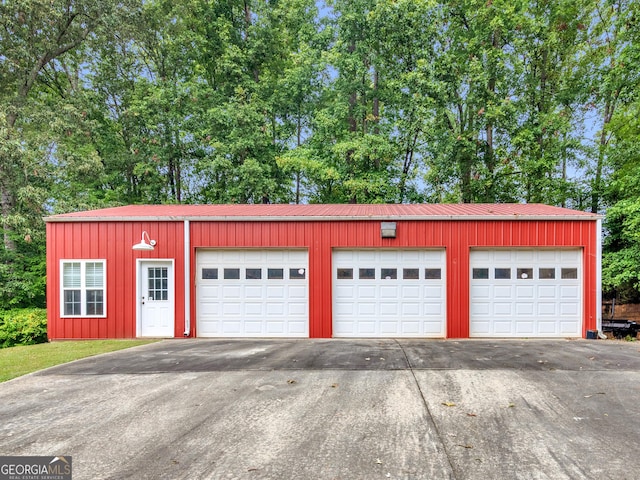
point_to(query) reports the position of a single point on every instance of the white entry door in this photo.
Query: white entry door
(156, 298)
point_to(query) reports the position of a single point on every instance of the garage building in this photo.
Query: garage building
(321, 271)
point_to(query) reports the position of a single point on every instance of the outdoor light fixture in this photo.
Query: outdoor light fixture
(143, 245)
(388, 229)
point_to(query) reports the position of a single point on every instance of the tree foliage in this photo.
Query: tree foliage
(115, 102)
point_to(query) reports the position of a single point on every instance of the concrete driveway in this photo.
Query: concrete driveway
(336, 409)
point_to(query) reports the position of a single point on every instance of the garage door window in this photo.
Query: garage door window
(432, 273)
(209, 273)
(547, 273)
(480, 273)
(503, 273)
(253, 273)
(232, 274)
(297, 273)
(275, 273)
(367, 274)
(345, 274)
(410, 274)
(569, 273)
(389, 273)
(525, 273)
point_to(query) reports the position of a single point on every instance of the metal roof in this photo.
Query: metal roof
(272, 213)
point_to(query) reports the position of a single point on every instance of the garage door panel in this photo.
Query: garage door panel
(392, 297)
(501, 291)
(567, 328)
(365, 309)
(256, 293)
(297, 292)
(434, 310)
(254, 309)
(410, 328)
(410, 292)
(435, 292)
(535, 301)
(547, 327)
(294, 308)
(252, 292)
(527, 292)
(345, 291)
(366, 292)
(569, 292)
(389, 309)
(548, 309)
(480, 308)
(481, 328)
(344, 309)
(567, 309)
(389, 292)
(524, 328)
(503, 308)
(502, 326)
(547, 291)
(524, 309)
(480, 291)
(410, 309)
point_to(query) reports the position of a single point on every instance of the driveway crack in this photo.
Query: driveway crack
(428, 410)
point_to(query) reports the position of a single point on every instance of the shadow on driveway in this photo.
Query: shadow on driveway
(204, 355)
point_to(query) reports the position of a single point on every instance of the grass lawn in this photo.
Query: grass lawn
(17, 361)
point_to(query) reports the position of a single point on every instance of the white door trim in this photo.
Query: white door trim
(139, 265)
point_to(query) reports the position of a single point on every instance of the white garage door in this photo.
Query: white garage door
(526, 293)
(389, 293)
(252, 293)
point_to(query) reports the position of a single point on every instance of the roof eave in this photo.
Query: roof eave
(321, 218)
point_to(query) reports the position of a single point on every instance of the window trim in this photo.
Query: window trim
(83, 287)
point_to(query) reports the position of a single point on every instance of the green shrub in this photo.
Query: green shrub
(23, 326)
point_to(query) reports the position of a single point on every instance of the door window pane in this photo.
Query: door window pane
(345, 273)
(547, 273)
(525, 273)
(481, 273)
(253, 273)
(569, 273)
(432, 274)
(275, 273)
(502, 273)
(297, 273)
(389, 273)
(158, 283)
(231, 274)
(209, 273)
(367, 274)
(411, 273)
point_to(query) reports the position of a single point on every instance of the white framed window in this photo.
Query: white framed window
(83, 288)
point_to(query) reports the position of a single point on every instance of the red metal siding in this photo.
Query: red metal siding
(457, 237)
(111, 241)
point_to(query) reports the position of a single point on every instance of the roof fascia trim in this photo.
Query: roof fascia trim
(323, 218)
